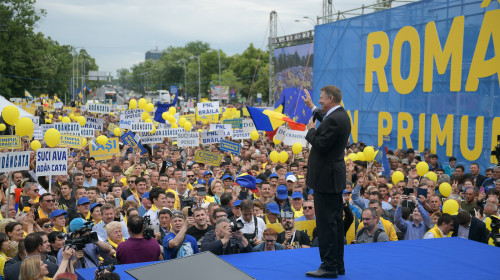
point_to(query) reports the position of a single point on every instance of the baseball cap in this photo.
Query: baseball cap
(346, 191)
(57, 213)
(237, 203)
(145, 195)
(94, 205)
(311, 191)
(202, 182)
(288, 174)
(291, 178)
(282, 192)
(227, 177)
(207, 173)
(76, 224)
(258, 181)
(297, 195)
(210, 181)
(273, 175)
(82, 200)
(273, 208)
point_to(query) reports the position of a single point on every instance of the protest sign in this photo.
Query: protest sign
(190, 118)
(130, 116)
(228, 146)
(208, 108)
(129, 139)
(14, 161)
(228, 130)
(87, 132)
(240, 134)
(211, 137)
(248, 126)
(71, 141)
(307, 226)
(103, 152)
(58, 105)
(236, 123)
(209, 158)
(36, 121)
(142, 127)
(280, 134)
(112, 127)
(151, 139)
(94, 123)
(10, 142)
(188, 139)
(295, 136)
(98, 108)
(37, 134)
(51, 161)
(68, 128)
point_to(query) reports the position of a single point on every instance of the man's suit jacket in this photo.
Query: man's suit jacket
(477, 231)
(326, 167)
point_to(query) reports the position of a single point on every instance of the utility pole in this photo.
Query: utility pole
(273, 33)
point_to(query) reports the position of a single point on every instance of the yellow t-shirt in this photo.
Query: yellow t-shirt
(3, 260)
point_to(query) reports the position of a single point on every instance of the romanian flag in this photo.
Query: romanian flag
(28, 95)
(268, 120)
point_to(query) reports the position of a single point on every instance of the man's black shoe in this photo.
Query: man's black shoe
(321, 273)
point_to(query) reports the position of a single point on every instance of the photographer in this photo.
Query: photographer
(227, 240)
(253, 226)
(421, 220)
(88, 256)
(292, 238)
(137, 248)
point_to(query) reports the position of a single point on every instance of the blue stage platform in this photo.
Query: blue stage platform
(446, 258)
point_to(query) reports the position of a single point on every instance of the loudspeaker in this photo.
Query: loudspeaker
(197, 266)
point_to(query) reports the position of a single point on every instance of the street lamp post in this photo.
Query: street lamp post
(199, 75)
(185, 73)
(218, 52)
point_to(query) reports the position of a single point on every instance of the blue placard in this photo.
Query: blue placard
(128, 139)
(174, 89)
(228, 146)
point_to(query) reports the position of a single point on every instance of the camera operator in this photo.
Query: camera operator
(292, 238)
(253, 226)
(91, 252)
(228, 239)
(137, 248)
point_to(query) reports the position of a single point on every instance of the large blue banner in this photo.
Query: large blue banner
(423, 75)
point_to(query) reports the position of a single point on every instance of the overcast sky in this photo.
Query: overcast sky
(119, 32)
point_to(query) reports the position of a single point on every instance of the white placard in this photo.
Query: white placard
(240, 134)
(164, 126)
(280, 134)
(38, 134)
(211, 137)
(130, 116)
(87, 132)
(46, 127)
(295, 136)
(208, 108)
(227, 128)
(94, 123)
(248, 126)
(99, 108)
(188, 139)
(150, 139)
(142, 127)
(36, 121)
(14, 161)
(58, 105)
(68, 128)
(51, 161)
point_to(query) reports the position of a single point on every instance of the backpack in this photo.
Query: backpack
(375, 235)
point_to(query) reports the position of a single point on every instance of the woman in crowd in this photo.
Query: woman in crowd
(46, 224)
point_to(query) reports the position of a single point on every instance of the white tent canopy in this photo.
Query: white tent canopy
(4, 103)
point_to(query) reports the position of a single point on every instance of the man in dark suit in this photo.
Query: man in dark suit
(474, 175)
(326, 175)
(469, 227)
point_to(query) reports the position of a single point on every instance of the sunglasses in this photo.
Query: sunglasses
(131, 182)
(308, 207)
(50, 200)
(270, 241)
(48, 225)
(190, 176)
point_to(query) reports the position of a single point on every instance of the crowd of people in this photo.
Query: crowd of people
(160, 205)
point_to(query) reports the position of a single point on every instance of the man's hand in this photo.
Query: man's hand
(67, 253)
(311, 124)
(189, 222)
(79, 254)
(307, 99)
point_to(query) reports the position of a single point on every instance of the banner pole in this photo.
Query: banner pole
(10, 182)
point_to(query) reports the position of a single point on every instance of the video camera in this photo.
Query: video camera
(495, 230)
(103, 270)
(496, 151)
(287, 215)
(188, 202)
(148, 228)
(236, 225)
(78, 243)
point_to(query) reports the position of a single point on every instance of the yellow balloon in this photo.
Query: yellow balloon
(204, 121)
(369, 153)
(451, 207)
(164, 115)
(153, 131)
(360, 156)
(24, 127)
(117, 131)
(445, 189)
(283, 156)
(182, 120)
(397, 177)
(81, 120)
(48, 121)
(148, 120)
(353, 157)
(111, 113)
(274, 156)
(2, 126)
(276, 141)
(174, 125)
(59, 118)
(51, 116)
(102, 139)
(132, 104)
(422, 168)
(432, 176)
(66, 120)
(35, 144)
(188, 125)
(254, 135)
(199, 130)
(297, 148)
(10, 114)
(149, 107)
(144, 116)
(172, 110)
(142, 103)
(84, 142)
(52, 137)
(72, 116)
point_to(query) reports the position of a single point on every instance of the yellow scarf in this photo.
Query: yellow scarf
(63, 229)
(154, 208)
(298, 213)
(113, 244)
(41, 214)
(137, 199)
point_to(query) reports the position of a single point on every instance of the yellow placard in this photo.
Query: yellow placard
(111, 127)
(10, 142)
(277, 227)
(103, 152)
(245, 112)
(209, 158)
(307, 226)
(190, 117)
(71, 141)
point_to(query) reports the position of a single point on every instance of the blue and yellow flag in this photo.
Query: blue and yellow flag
(28, 95)
(293, 105)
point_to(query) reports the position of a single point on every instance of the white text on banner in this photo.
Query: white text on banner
(228, 146)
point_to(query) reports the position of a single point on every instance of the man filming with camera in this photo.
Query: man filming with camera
(292, 238)
(139, 247)
(253, 226)
(87, 245)
(228, 239)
